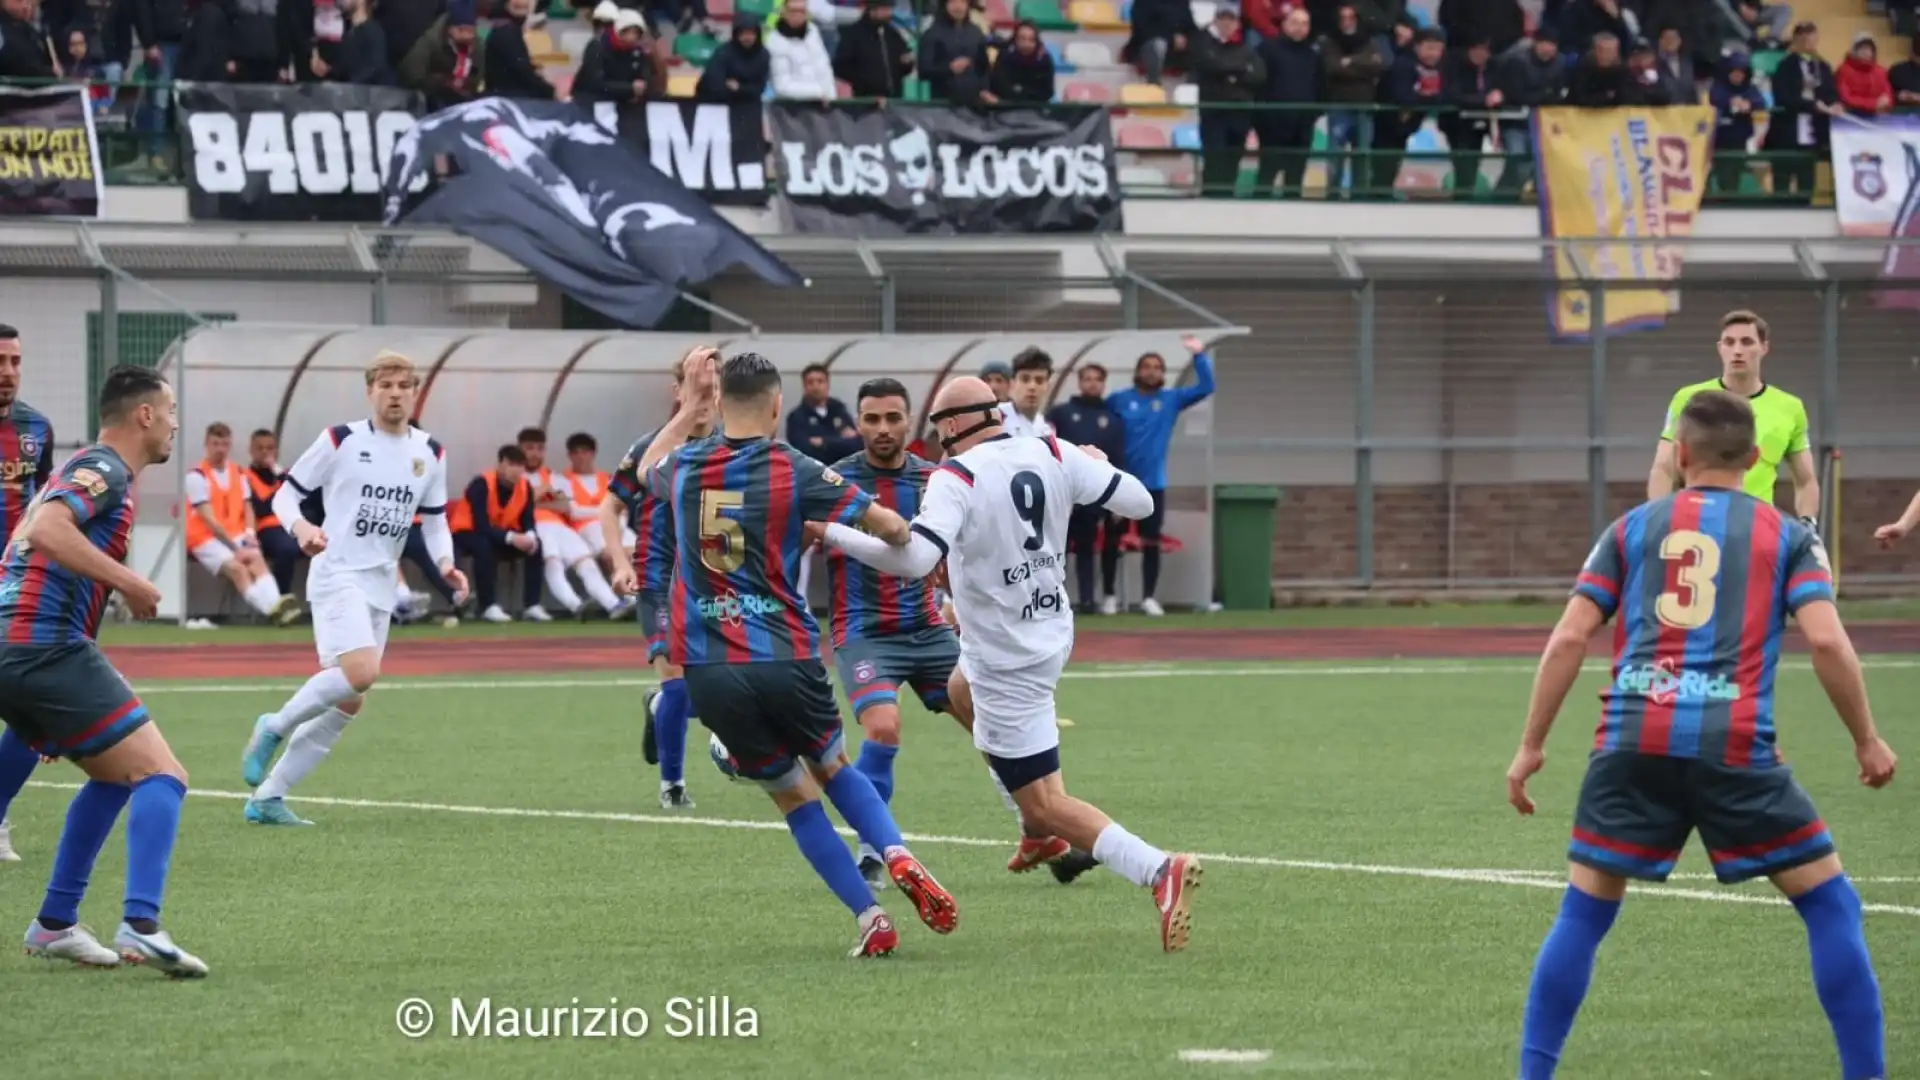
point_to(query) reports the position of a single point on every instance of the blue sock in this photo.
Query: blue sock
(876, 763)
(17, 762)
(861, 805)
(152, 824)
(829, 856)
(1843, 977)
(1560, 978)
(90, 818)
(670, 712)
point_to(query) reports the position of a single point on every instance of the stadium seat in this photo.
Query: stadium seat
(1044, 14)
(1186, 94)
(1084, 53)
(1087, 92)
(1061, 65)
(1143, 95)
(1135, 177)
(1186, 137)
(682, 86)
(757, 10)
(1202, 12)
(999, 13)
(1095, 15)
(720, 11)
(1144, 137)
(695, 49)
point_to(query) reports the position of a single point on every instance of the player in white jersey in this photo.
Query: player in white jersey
(996, 510)
(373, 476)
(1025, 412)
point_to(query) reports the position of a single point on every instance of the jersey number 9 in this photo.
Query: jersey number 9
(1689, 604)
(723, 545)
(1030, 502)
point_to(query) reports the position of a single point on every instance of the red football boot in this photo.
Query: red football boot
(877, 937)
(935, 904)
(1173, 894)
(1037, 851)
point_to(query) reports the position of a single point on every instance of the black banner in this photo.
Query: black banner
(546, 186)
(318, 151)
(49, 156)
(864, 170)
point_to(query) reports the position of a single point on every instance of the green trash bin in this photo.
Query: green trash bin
(1243, 523)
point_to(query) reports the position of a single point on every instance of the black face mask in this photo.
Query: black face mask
(990, 417)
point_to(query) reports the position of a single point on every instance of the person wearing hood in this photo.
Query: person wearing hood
(510, 69)
(1352, 65)
(1295, 78)
(953, 55)
(1473, 92)
(874, 58)
(1529, 79)
(1735, 101)
(801, 67)
(1861, 83)
(1804, 105)
(738, 70)
(618, 66)
(447, 64)
(1416, 85)
(1227, 73)
(1023, 72)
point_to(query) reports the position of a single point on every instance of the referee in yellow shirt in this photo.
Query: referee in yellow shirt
(1780, 422)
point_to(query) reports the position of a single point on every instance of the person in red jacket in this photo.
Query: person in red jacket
(1861, 82)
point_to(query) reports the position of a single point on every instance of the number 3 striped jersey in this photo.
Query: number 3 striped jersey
(1702, 582)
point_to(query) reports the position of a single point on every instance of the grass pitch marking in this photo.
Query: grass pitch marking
(1519, 878)
(1225, 1057)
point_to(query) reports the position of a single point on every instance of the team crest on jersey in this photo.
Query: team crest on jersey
(93, 482)
(29, 446)
(863, 671)
(1869, 182)
(419, 467)
(831, 477)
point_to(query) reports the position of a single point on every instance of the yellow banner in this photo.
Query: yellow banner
(1632, 173)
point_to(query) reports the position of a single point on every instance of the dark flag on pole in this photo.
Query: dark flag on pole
(544, 185)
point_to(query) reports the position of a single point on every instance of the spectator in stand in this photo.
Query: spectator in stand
(1472, 90)
(1023, 72)
(82, 67)
(1400, 38)
(1599, 80)
(1904, 78)
(207, 54)
(1161, 28)
(1295, 79)
(1352, 65)
(820, 426)
(1585, 20)
(1675, 69)
(108, 25)
(874, 58)
(1416, 85)
(1528, 80)
(162, 28)
(737, 71)
(261, 41)
(619, 67)
(1735, 101)
(405, 23)
(363, 55)
(1501, 23)
(1644, 85)
(1085, 420)
(953, 55)
(448, 65)
(1762, 27)
(510, 69)
(1861, 83)
(1227, 73)
(1799, 124)
(319, 29)
(1698, 24)
(800, 67)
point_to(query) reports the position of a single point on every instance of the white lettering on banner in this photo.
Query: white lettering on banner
(839, 171)
(311, 153)
(919, 167)
(689, 156)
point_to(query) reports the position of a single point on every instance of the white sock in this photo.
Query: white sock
(322, 692)
(1007, 797)
(559, 587)
(1128, 855)
(305, 751)
(596, 585)
(262, 594)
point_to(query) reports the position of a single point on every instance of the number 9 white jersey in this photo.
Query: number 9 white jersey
(998, 512)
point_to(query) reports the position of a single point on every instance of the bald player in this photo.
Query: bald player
(996, 510)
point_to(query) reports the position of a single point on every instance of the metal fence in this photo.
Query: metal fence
(1427, 431)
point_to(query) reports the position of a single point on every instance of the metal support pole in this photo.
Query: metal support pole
(889, 305)
(1363, 433)
(1129, 304)
(380, 299)
(109, 337)
(1829, 403)
(1597, 415)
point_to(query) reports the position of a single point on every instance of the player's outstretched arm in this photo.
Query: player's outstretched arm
(1889, 535)
(1665, 475)
(1838, 668)
(1096, 483)
(701, 370)
(886, 524)
(1559, 666)
(916, 559)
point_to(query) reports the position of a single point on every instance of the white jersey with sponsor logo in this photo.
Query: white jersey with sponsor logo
(1014, 423)
(999, 513)
(371, 482)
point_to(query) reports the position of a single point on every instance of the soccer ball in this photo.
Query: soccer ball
(722, 759)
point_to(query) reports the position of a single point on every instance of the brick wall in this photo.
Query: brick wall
(1507, 531)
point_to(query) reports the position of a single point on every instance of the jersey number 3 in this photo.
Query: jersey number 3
(1030, 502)
(1695, 557)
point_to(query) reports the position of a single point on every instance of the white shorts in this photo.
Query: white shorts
(1013, 711)
(343, 621)
(596, 540)
(213, 555)
(561, 542)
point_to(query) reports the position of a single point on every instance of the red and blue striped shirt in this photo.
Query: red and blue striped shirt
(651, 520)
(866, 603)
(1703, 582)
(44, 603)
(26, 462)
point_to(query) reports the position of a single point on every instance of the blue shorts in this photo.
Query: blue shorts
(770, 715)
(872, 669)
(66, 700)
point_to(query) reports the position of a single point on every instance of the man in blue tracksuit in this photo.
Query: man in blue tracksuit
(1150, 409)
(1086, 420)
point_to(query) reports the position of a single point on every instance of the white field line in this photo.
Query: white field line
(1522, 878)
(1225, 1057)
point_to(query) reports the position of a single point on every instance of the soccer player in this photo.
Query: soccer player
(375, 475)
(65, 700)
(560, 545)
(996, 510)
(750, 647)
(220, 529)
(1150, 411)
(1021, 413)
(1703, 582)
(1780, 422)
(26, 463)
(667, 709)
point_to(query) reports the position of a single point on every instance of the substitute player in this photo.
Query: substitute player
(26, 463)
(1024, 411)
(997, 511)
(561, 546)
(1780, 422)
(60, 695)
(750, 647)
(1703, 581)
(666, 708)
(586, 490)
(375, 475)
(220, 529)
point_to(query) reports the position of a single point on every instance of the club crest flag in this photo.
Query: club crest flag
(1876, 191)
(1631, 174)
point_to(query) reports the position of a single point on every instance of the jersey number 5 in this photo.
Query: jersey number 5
(723, 546)
(1030, 502)
(1696, 558)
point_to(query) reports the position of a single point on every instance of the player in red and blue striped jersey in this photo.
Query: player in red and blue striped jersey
(62, 696)
(1703, 582)
(750, 647)
(26, 462)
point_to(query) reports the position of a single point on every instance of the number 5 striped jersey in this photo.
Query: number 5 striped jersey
(1702, 582)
